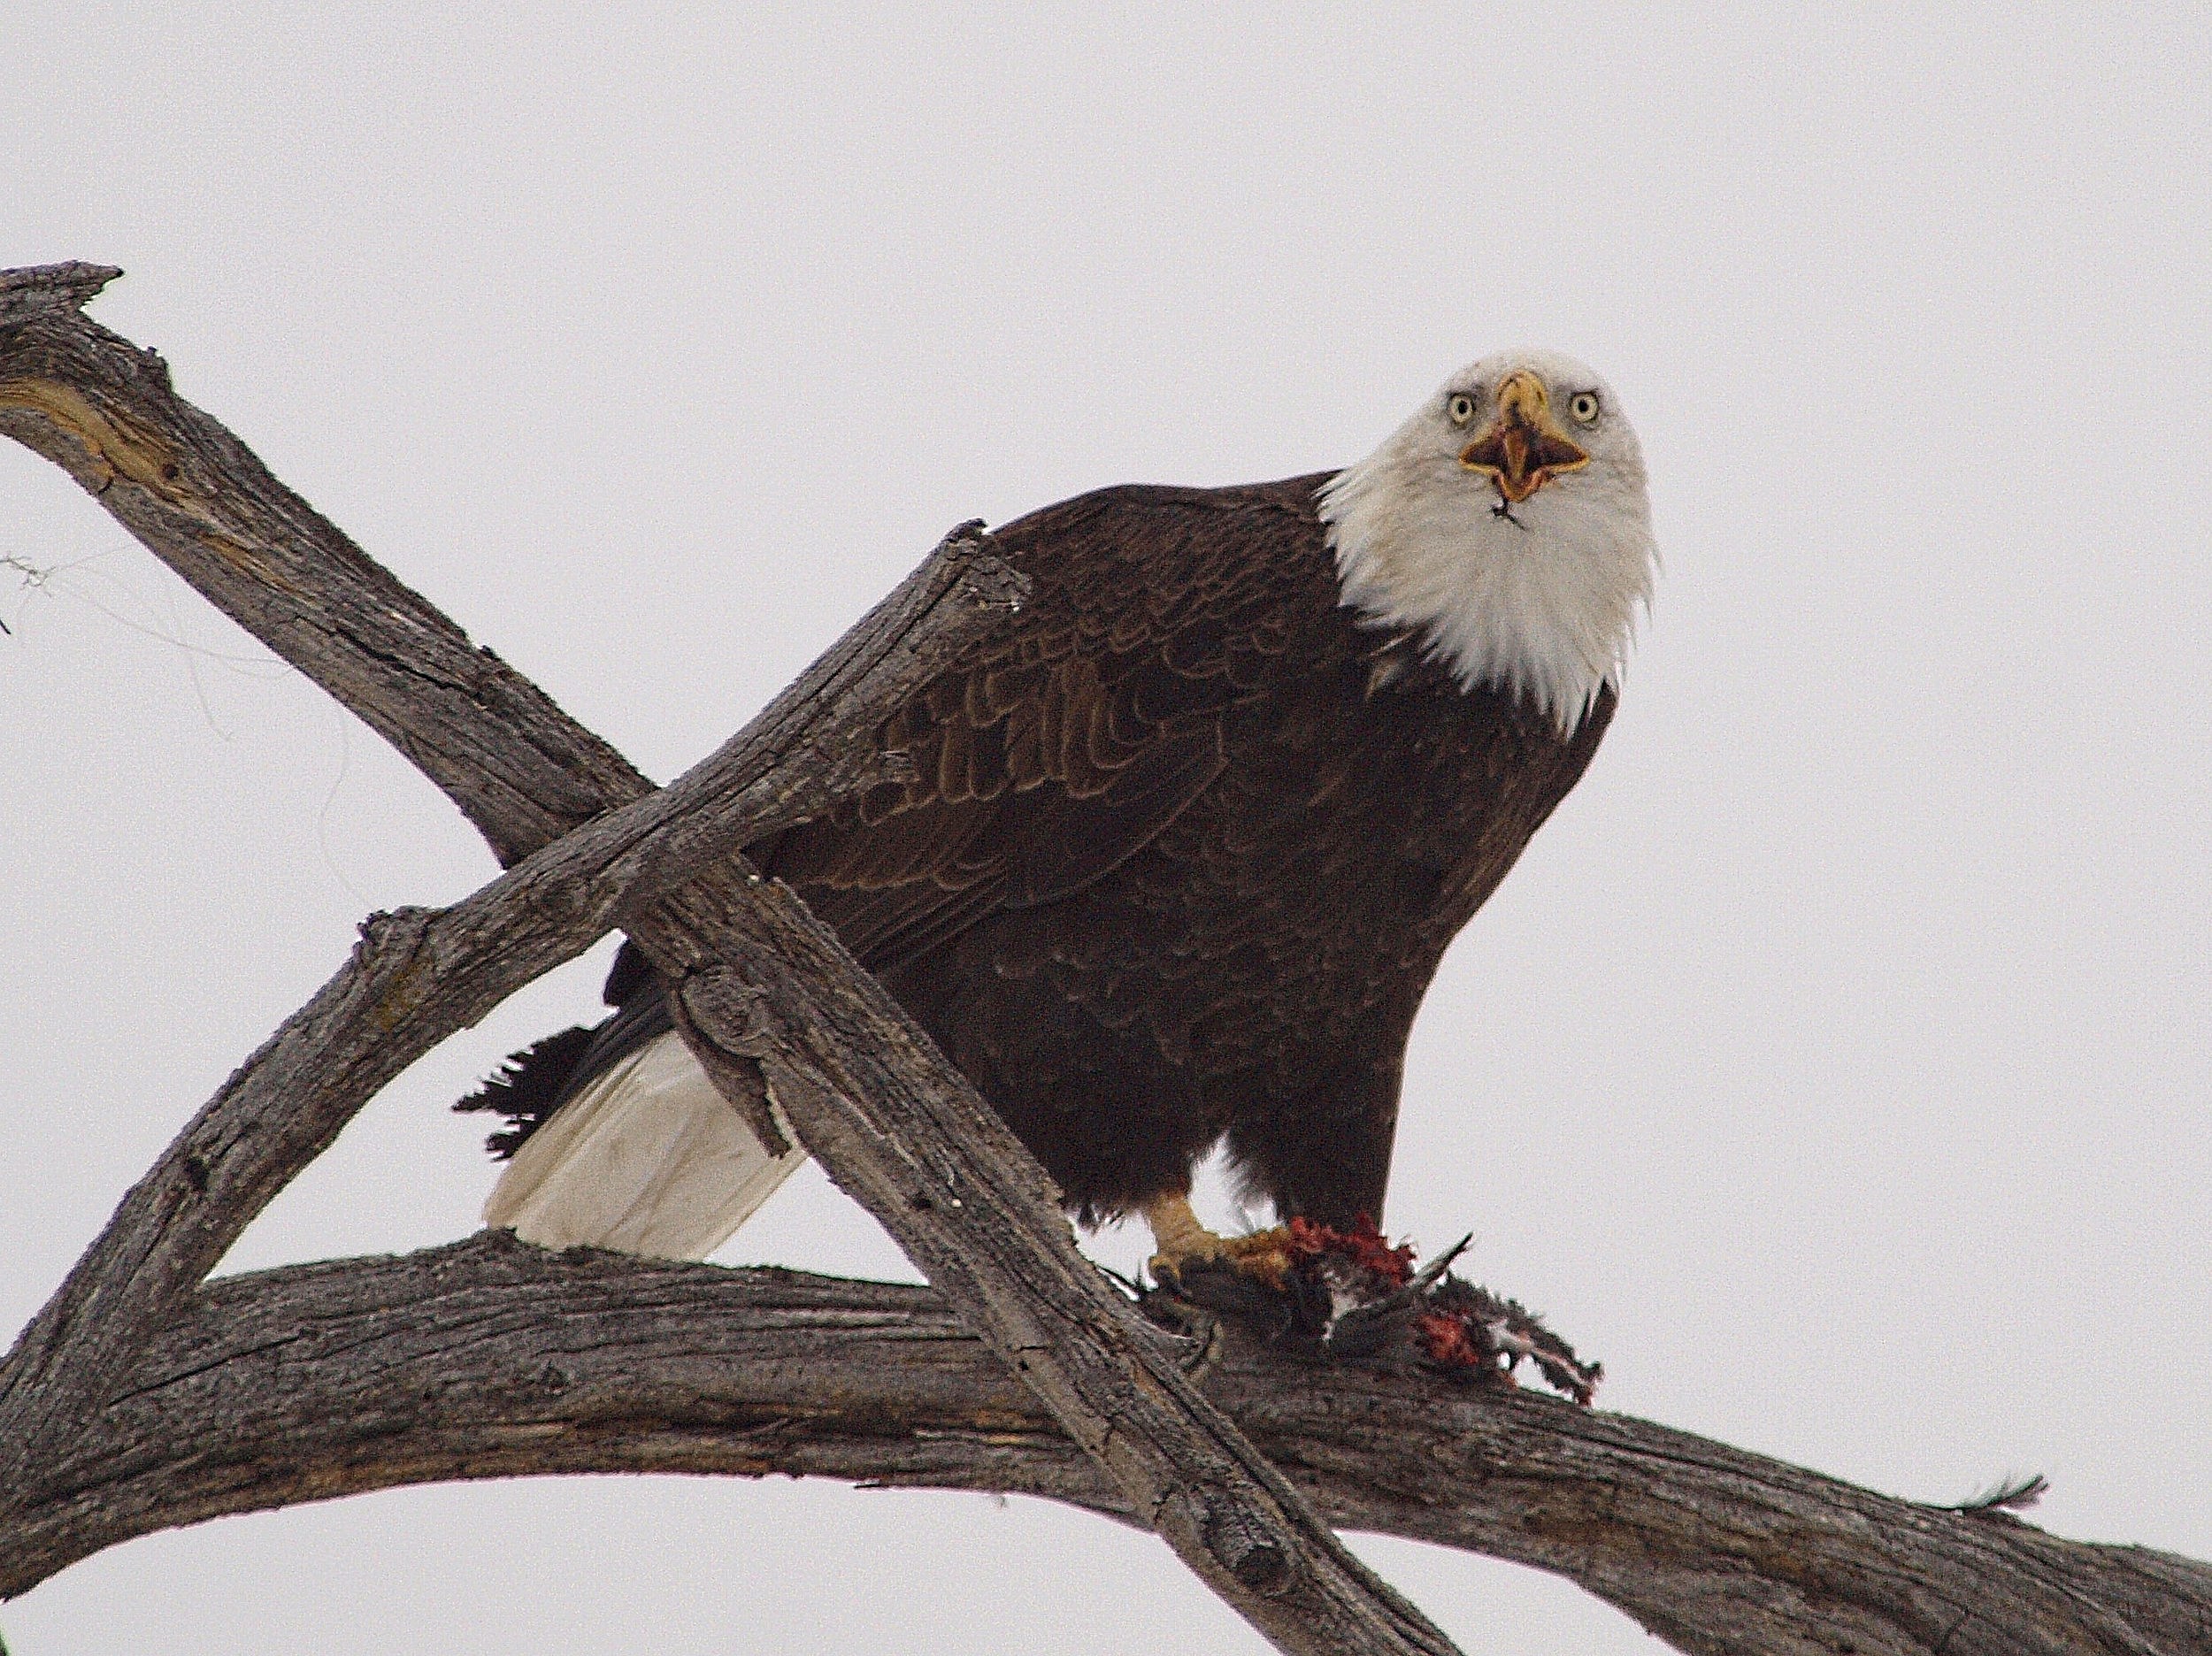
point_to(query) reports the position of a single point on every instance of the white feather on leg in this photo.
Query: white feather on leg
(648, 1158)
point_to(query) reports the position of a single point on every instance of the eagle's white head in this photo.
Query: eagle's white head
(1506, 528)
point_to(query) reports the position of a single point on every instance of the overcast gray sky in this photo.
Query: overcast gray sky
(1834, 1064)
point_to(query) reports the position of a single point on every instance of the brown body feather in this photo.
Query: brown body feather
(1184, 847)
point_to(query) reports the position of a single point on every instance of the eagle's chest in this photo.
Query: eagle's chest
(1369, 815)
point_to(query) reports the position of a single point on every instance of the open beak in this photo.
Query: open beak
(1522, 448)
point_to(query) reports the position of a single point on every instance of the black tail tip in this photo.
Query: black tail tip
(527, 1088)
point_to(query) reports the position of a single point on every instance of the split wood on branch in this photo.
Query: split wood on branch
(761, 989)
(1689, 1537)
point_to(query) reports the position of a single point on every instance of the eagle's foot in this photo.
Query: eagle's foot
(1184, 1244)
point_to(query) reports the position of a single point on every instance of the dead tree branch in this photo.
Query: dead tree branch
(418, 976)
(142, 1397)
(307, 1383)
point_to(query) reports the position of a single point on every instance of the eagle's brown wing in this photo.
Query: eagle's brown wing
(1062, 744)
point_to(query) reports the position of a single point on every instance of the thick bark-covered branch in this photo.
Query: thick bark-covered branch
(925, 1154)
(307, 1382)
(419, 976)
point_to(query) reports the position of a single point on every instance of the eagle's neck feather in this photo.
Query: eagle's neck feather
(1542, 608)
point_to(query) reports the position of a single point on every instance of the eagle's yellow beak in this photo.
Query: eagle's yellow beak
(1522, 448)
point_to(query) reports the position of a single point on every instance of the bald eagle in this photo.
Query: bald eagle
(1186, 839)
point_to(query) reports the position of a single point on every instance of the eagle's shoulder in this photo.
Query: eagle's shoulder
(1147, 552)
(1063, 742)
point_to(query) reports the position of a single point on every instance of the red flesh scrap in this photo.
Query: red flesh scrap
(1363, 1244)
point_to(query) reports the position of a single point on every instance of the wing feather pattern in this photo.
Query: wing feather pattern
(1067, 742)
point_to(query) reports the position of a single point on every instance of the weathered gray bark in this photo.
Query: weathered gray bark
(309, 1382)
(299, 1385)
(420, 976)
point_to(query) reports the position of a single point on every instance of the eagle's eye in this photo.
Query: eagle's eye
(1584, 407)
(1461, 407)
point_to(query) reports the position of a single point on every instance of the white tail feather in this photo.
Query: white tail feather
(648, 1158)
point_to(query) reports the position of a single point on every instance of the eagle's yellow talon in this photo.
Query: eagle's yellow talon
(1183, 1241)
